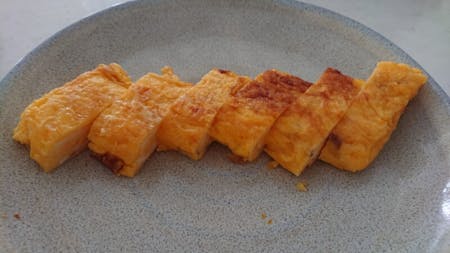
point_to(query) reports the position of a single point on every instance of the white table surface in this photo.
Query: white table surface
(421, 28)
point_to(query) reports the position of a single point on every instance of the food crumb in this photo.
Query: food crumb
(302, 187)
(263, 216)
(4, 216)
(17, 216)
(272, 164)
(269, 221)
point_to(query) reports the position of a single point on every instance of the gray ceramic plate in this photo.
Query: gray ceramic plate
(399, 204)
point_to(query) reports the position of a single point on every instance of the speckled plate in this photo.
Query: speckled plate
(401, 203)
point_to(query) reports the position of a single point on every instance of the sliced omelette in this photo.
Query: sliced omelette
(186, 125)
(55, 126)
(373, 116)
(244, 121)
(298, 135)
(124, 135)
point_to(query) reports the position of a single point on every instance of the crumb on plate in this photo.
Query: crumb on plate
(302, 187)
(263, 216)
(17, 216)
(269, 221)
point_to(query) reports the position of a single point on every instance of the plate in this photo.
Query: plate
(401, 203)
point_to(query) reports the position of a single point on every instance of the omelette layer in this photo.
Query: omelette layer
(373, 116)
(55, 126)
(244, 121)
(296, 138)
(124, 135)
(186, 125)
(343, 121)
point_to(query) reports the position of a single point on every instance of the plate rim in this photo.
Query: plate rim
(299, 5)
(40, 49)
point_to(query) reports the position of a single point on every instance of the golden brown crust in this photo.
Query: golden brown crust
(335, 139)
(224, 71)
(243, 122)
(373, 115)
(111, 161)
(342, 85)
(284, 80)
(297, 137)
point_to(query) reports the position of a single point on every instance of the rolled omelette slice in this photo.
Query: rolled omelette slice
(298, 135)
(367, 125)
(124, 135)
(244, 121)
(186, 125)
(55, 126)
